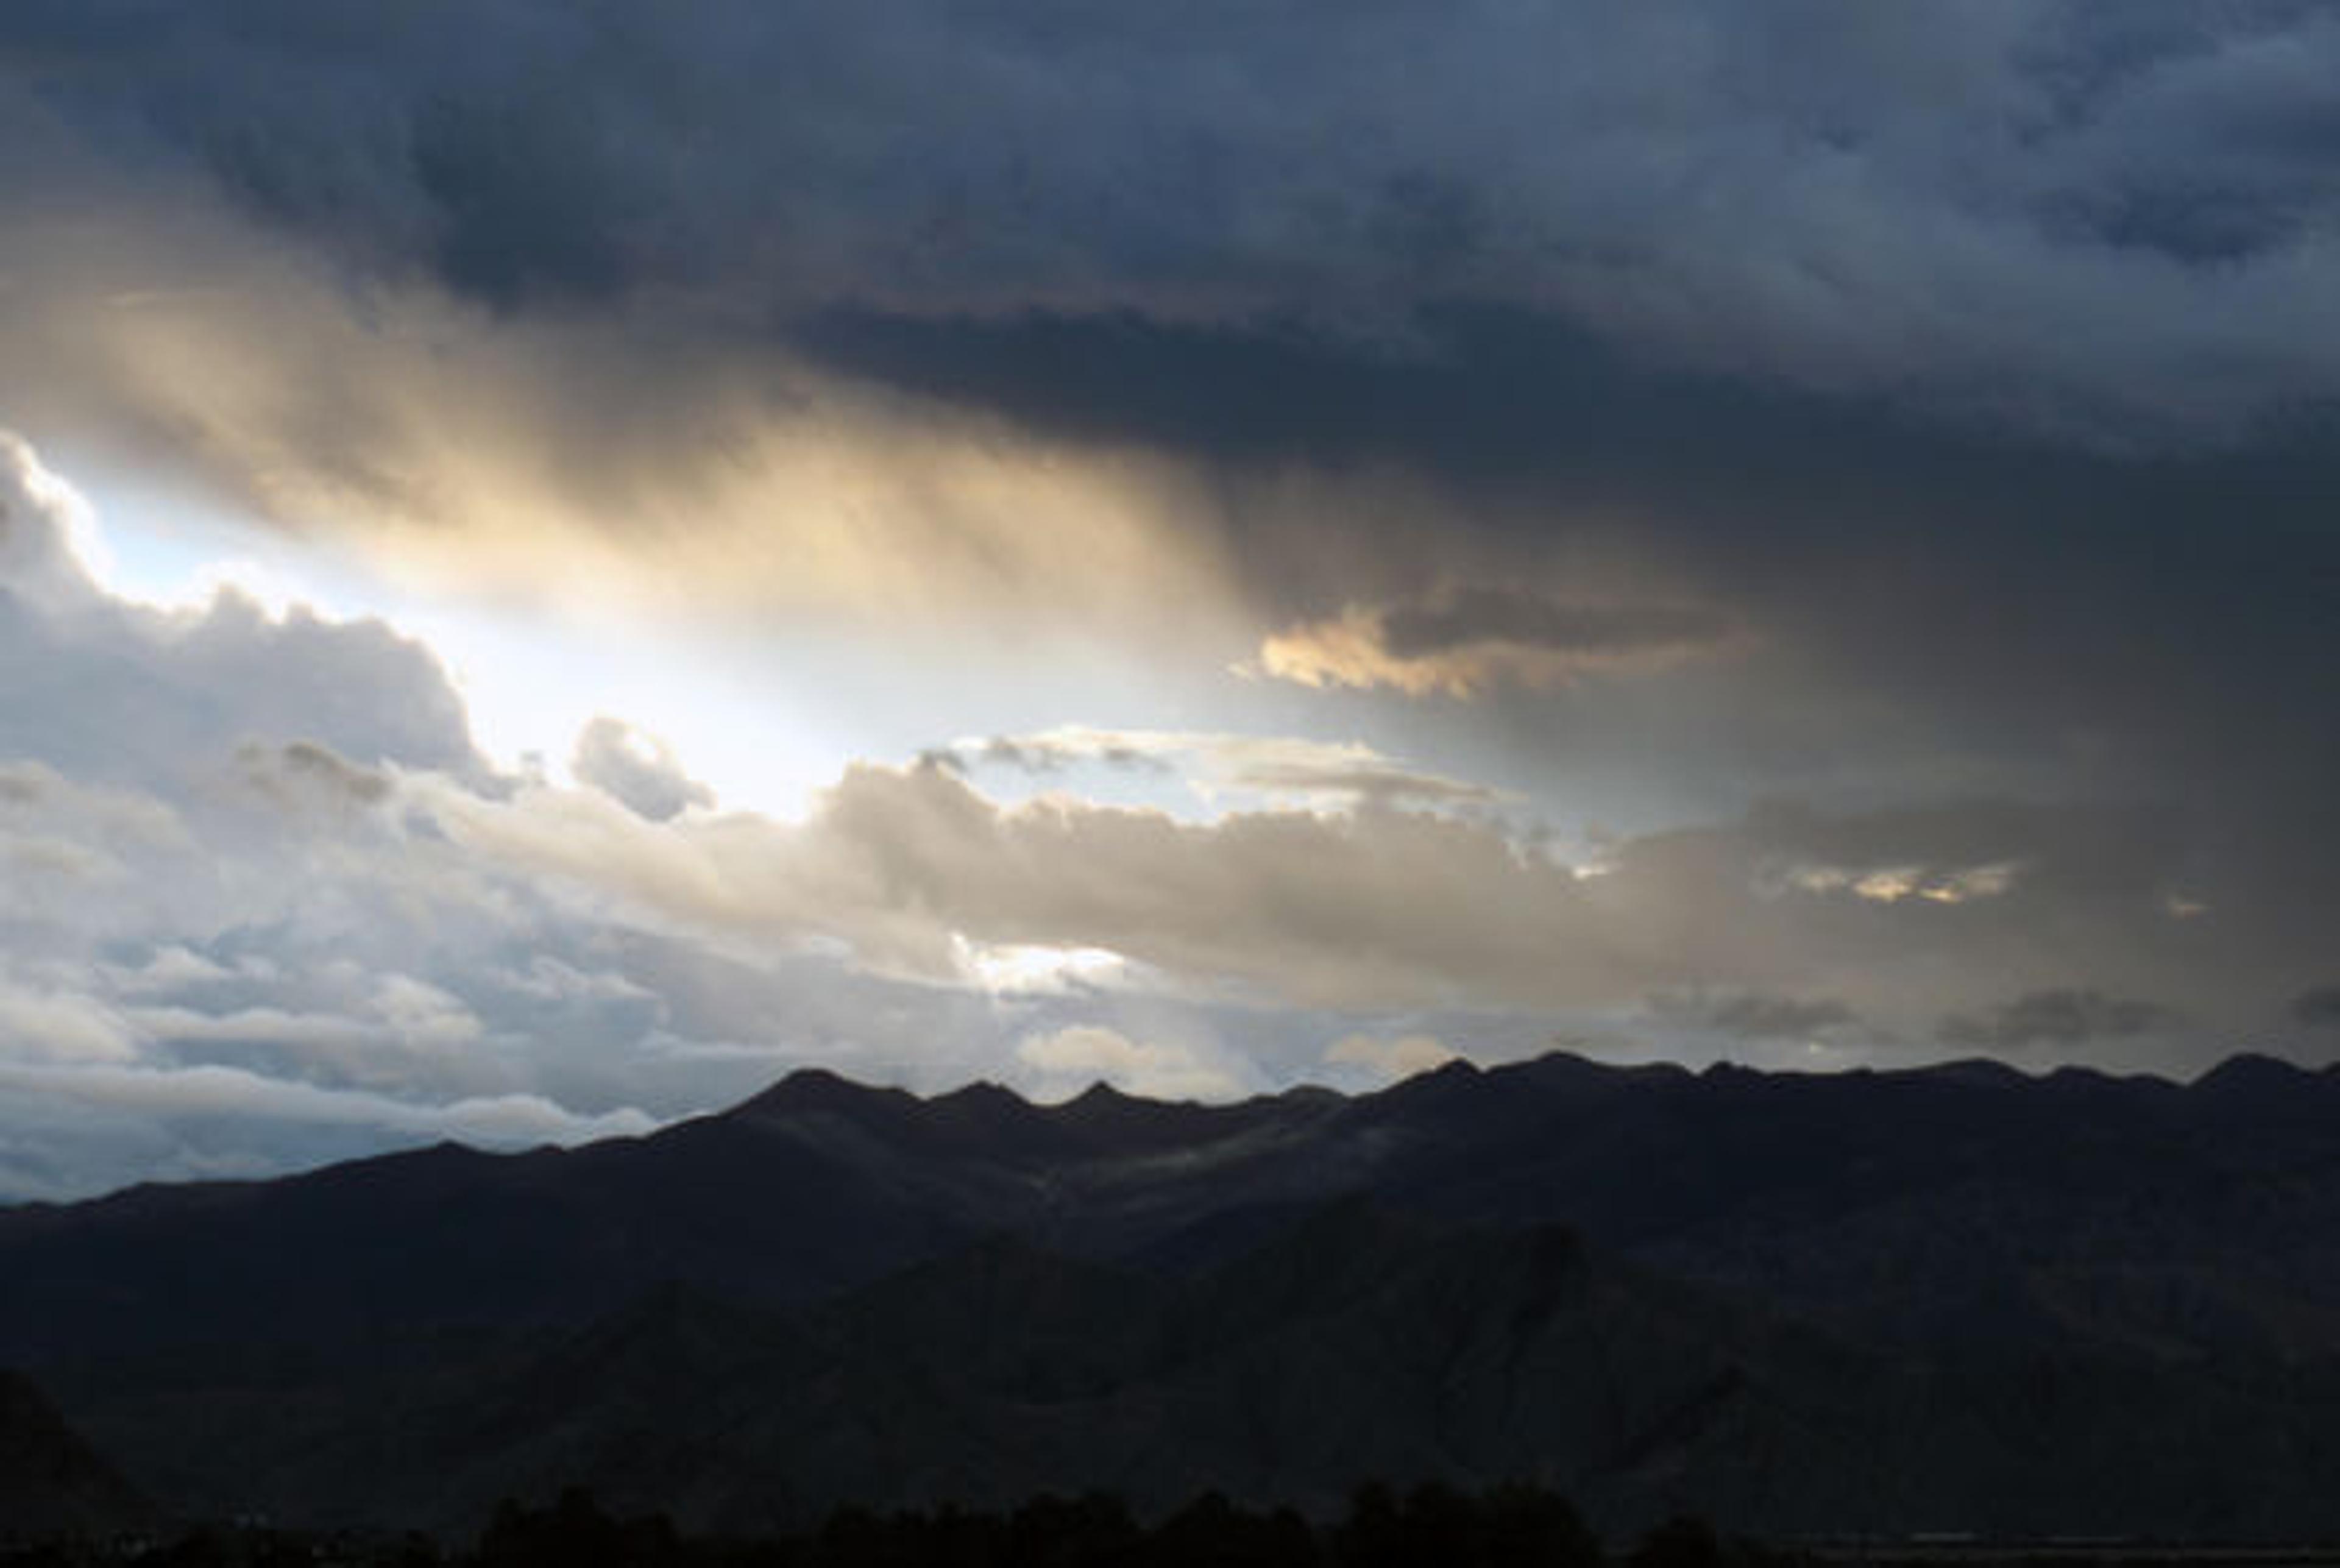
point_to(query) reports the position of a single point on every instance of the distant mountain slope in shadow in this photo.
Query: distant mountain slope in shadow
(1359, 1342)
(2039, 1270)
(52, 1483)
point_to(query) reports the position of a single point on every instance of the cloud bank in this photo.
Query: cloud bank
(301, 917)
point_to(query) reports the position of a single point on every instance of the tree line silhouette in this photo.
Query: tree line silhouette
(1513, 1526)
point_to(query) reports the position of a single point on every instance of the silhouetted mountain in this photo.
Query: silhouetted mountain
(1955, 1297)
(1358, 1342)
(51, 1482)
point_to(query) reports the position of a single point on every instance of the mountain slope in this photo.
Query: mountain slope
(52, 1483)
(2054, 1286)
(1358, 1342)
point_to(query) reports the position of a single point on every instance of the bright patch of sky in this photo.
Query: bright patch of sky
(765, 717)
(531, 677)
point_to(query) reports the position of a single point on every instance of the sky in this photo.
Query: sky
(561, 559)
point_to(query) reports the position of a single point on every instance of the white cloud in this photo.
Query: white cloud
(1071, 1058)
(637, 769)
(106, 691)
(50, 550)
(1026, 970)
(232, 1092)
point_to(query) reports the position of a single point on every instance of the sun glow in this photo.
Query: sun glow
(531, 678)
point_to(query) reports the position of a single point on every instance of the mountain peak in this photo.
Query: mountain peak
(1976, 1072)
(983, 1092)
(809, 1089)
(2254, 1077)
(989, 1117)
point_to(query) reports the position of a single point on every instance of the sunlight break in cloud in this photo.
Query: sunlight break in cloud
(1219, 765)
(1461, 643)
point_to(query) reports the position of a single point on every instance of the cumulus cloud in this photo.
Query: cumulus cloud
(212, 896)
(1375, 903)
(1462, 643)
(636, 769)
(1072, 1058)
(112, 691)
(47, 538)
(1374, 907)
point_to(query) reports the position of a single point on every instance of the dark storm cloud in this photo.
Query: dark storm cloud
(2318, 1008)
(2063, 1017)
(1509, 615)
(2005, 206)
(1770, 286)
(2009, 595)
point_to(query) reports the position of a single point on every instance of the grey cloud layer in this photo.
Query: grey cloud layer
(2093, 217)
(2061, 1016)
(1381, 909)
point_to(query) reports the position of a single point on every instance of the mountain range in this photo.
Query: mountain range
(1952, 1298)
